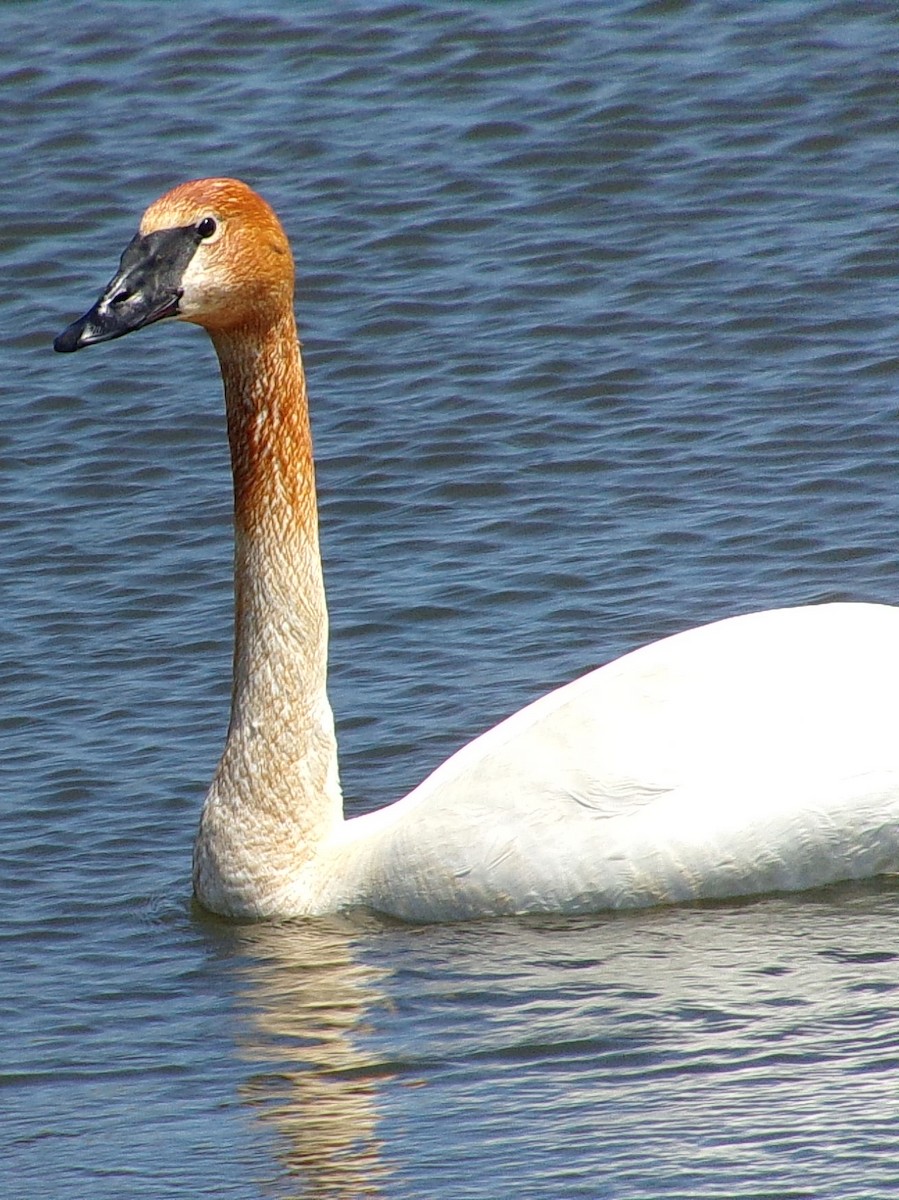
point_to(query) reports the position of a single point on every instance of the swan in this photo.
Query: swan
(758, 753)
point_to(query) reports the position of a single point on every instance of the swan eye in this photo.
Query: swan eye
(207, 227)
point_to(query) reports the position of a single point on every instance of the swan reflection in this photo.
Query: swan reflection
(304, 999)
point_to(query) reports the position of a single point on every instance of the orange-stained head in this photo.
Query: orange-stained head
(210, 251)
(241, 270)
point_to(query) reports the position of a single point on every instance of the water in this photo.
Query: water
(600, 321)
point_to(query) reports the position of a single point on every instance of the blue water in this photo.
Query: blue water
(599, 312)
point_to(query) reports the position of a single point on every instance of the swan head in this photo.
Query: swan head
(211, 252)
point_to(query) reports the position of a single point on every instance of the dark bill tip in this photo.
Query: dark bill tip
(108, 320)
(72, 338)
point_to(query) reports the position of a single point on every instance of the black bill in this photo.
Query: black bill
(146, 288)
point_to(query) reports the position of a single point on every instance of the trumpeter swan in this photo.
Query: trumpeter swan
(756, 753)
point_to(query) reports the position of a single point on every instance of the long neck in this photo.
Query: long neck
(277, 783)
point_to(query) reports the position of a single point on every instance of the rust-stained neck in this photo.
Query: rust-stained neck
(268, 426)
(276, 794)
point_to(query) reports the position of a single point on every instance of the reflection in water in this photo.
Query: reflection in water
(304, 1000)
(597, 1055)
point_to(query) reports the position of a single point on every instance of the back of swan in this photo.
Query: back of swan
(755, 754)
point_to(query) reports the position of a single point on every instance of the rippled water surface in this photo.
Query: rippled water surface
(599, 312)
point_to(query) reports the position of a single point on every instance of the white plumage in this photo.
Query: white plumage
(754, 754)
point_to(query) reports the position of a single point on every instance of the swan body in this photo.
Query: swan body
(758, 753)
